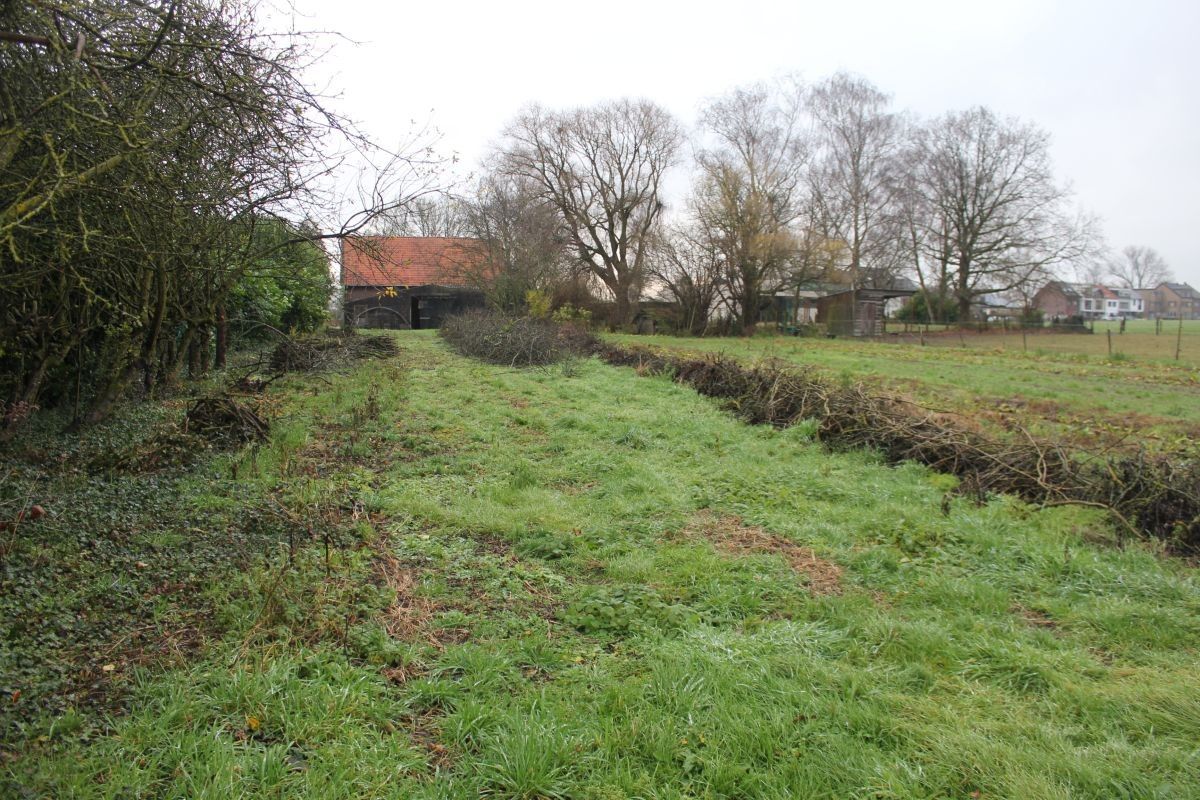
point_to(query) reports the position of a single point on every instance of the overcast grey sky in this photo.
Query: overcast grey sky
(1116, 84)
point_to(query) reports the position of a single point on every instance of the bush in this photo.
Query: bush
(286, 289)
(924, 308)
(537, 303)
(517, 342)
(1033, 317)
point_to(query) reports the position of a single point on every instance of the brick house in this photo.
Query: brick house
(410, 282)
(1173, 300)
(1058, 299)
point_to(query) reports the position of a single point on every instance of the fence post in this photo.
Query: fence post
(1179, 336)
(1109, 332)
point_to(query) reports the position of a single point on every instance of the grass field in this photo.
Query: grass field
(441, 579)
(1142, 340)
(1085, 398)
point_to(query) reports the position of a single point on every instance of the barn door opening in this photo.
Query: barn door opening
(416, 313)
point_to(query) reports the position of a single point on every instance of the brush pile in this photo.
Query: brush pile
(223, 419)
(321, 353)
(516, 341)
(1156, 496)
(212, 423)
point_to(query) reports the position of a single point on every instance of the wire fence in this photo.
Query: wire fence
(1172, 340)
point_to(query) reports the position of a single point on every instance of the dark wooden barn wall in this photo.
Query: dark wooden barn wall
(416, 307)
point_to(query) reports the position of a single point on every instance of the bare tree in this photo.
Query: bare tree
(925, 237)
(602, 169)
(1090, 271)
(1139, 267)
(853, 178)
(524, 237)
(750, 189)
(434, 215)
(991, 203)
(689, 269)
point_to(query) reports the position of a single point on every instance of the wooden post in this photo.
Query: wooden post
(1109, 332)
(1179, 336)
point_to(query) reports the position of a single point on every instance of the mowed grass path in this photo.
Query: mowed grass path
(583, 583)
(1084, 398)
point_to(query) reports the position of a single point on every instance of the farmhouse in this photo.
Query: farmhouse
(410, 281)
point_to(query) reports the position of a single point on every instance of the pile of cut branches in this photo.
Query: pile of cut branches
(1155, 496)
(224, 419)
(321, 353)
(516, 341)
(211, 423)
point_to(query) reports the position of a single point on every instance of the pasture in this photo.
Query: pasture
(1059, 387)
(445, 579)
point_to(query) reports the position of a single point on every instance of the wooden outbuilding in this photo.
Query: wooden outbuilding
(857, 312)
(410, 282)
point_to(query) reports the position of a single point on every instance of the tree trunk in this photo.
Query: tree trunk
(193, 357)
(964, 291)
(623, 307)
(205, 350)
(123, 370)
(964, 309)
(750, 298)
(102, 405)
(150, 346)
(222, 338)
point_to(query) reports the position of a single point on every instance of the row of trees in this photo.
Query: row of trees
(157, 160)
(791, 184)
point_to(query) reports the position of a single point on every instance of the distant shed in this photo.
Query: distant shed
(857, 312)
(410, 282)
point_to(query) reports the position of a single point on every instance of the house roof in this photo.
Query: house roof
(865, 293)
(1068, 289)
(1182, 289)
(410, 260)
(997, 300)
(1093, 290)
(881, 279)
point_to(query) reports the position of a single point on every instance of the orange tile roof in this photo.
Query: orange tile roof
(410, 260)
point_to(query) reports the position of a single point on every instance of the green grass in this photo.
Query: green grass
(1090, 400)
(523, 597)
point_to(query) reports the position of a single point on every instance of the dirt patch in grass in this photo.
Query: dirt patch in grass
(423, 730)
(730, 534)
(1036, 618)
(410, 615)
